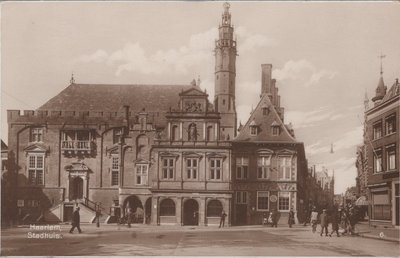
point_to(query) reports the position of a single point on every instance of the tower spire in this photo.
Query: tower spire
(381, 57)
(366, 101)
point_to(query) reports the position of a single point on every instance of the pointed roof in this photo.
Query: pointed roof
(380, 90)
(393, 91)
(264, 124)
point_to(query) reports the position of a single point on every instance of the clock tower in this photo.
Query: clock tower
(225, 73)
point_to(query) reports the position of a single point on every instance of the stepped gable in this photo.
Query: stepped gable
(107, 97)
(393, 91)
(264, 125)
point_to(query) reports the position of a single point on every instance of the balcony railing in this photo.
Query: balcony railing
(76, 145)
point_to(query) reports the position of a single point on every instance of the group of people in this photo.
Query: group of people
(346, 218)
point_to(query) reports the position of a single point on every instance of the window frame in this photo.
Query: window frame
(34, 180)
(36, 134)
(391, 152)
(242, 165)
(390, 119)
(114, 170)
(276, 130)
(192, 170)
(279, 201)
(375, 126)
(216, 211)
(378, 155)
(143, 175)
(285, 172)
(253, 130)
(215, 170)
(263, 167)
(167, 213)
(168, 168)
(117, 135)
(267, 198)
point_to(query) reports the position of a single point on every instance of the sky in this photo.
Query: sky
(324, 57)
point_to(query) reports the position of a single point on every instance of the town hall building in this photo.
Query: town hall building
(163, 151)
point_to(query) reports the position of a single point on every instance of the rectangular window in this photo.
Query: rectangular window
(391, 157)
(264, 167)
(36, 134)
(117, 133)
(262, 200)
(241, 197)
(390, 123)
(191, 168)
(377, 130)
(168, 168)
(283, 201)
(378, 161)
(242, 168)
(141, 174)
(36, 169)
(115, 171)
(215, 169)
(285, 168)
(276, 130)
(253, 130)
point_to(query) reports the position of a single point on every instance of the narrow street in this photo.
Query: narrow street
(182, 241)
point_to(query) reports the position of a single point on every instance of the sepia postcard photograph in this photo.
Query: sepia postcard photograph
(200, 128)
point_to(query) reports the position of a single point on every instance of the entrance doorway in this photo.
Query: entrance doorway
(76, 188)
(191, 213)
(397, 203)
(241, 214)
(136, 207)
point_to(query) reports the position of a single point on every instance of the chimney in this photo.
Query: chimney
(266, 73)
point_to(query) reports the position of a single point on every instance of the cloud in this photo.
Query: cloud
(302, 72)
(350, 139)
(301, 119)
(250, 41)
(197, 52)
(316, 148)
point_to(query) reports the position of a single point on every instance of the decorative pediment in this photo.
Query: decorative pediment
(286, 187)
(275, 123)
(193, 92)
(191, 154)
(141, 161)
(216, 155)
(265, 152)
(113, 150)
(37, 148)
(77, 166)
(286, 152)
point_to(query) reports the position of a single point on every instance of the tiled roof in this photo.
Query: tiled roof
(393, 91)
(106, 97)
(264, 125)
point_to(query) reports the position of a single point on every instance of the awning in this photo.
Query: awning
(362, 201)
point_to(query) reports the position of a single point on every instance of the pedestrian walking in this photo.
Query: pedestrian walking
(222, 221)
(324, 222)
(314, 220)
(275, 218)
(76, 220)
(291, 218)
(335, 223)
(129, 217)
(344, 221)
(352, 219)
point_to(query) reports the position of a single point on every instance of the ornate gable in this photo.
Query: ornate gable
(36, 147)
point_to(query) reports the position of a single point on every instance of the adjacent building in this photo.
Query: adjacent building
(382, 154)
(163, 151)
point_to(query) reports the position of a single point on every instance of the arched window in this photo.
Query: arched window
(214, 208)
(167, 207)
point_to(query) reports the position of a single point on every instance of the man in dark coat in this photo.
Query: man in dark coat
(222, 221)
(324, 222)
(275, 218)
(76, 220)
(335, 223)
(291, 218)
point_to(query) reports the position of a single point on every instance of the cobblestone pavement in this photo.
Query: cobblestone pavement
(182, 241)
